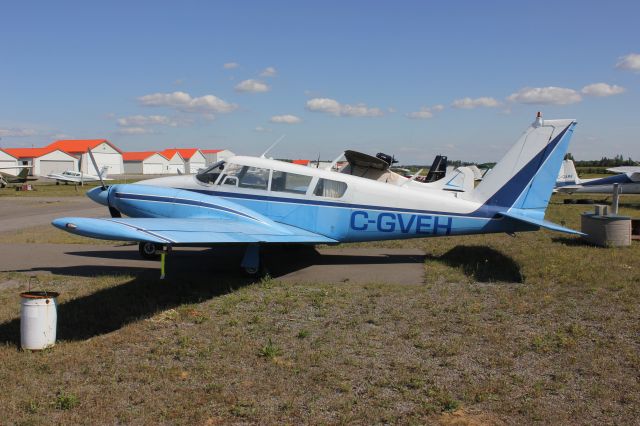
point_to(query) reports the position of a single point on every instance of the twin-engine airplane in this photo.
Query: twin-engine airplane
(258, 201)
(568, 182)
(78, 177)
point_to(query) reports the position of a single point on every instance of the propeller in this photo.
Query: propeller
(112, 210)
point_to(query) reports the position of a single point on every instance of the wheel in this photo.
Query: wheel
(251, 271)
(149, 250)
(259, 272)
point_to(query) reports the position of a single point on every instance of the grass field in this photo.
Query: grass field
(537, 328)
(50, 189)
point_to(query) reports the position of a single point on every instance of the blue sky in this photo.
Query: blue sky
(410, 78)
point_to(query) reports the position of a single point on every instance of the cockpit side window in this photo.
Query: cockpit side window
(211, 173)
(330, 188)
(290, 182)
(245, 177)
(254, 178)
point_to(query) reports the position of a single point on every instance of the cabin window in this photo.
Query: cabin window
(211, 173)
(245, 177)
(330, 188)
(254, 178)
(290, 182)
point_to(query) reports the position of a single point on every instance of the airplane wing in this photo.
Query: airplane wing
(520, 216)
(624, 169)
(567, 189)
(188, 231)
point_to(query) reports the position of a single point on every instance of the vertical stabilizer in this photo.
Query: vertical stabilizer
(568, 174)
(525, 177)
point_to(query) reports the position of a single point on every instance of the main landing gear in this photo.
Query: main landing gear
(252, 263)
(149, 251)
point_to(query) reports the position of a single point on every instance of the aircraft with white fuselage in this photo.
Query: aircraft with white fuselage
(258, 201)
(71, 176)
(627, 177)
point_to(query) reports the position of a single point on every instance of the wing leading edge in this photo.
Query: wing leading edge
(188, 231)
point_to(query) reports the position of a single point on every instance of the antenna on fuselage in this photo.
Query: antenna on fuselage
(334, 162)
(272, 146)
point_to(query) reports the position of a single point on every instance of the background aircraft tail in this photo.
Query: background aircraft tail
(23, 173)
(568, 174)
(437, 170)
(523, 181)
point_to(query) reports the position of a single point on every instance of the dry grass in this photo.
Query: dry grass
(539, 328)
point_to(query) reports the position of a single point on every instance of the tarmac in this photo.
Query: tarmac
(306, 264)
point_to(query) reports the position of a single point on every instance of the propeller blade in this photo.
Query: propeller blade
(95, 166)
(114, 212)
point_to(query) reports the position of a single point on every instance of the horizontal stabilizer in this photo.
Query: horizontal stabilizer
(522, 217)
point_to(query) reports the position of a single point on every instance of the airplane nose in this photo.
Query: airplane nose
(99, 195)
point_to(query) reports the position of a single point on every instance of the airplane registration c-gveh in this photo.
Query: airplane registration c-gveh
(260, 201)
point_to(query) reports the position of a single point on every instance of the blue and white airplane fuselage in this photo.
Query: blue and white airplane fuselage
(628, 180)
(262, 201)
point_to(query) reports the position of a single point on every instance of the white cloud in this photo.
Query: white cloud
(468, 103)
(146, 120)
(135, 131)
(269, 72)
(425, 112)
(261, 129)
(231, 65)
(333, 107)
(252, 86)
(286, 119)
(630, 62)
(602, 89)
(545, 96)
(17, 132)
(184, 102)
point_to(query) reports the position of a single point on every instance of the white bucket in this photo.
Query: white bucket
(38, 319)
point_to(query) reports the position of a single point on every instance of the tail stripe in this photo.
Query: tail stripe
(509, 193)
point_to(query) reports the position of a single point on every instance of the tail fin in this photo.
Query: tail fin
(104, 171)
(438, 169)
(568, 174)
(525, 177)
(23, 173)
(460, 180)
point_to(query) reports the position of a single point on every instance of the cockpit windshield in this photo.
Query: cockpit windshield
(211, 173)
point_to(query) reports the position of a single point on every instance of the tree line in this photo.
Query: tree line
(616, 161)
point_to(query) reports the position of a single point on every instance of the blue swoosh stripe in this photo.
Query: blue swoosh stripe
(159, 198)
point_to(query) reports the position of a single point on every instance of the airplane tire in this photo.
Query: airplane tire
(148, 250)
(259, 272)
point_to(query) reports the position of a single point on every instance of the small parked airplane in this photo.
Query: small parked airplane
(22, 177)
(259, 201)
(77, 177)
(568, 181)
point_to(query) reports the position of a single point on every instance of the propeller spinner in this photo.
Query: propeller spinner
(101, 195)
